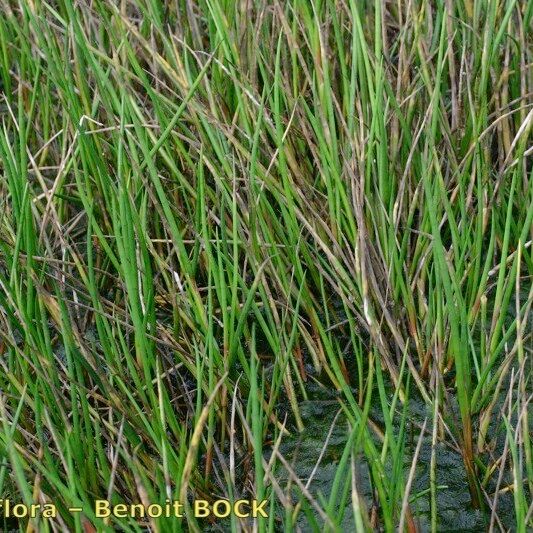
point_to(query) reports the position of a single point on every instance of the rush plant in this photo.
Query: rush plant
(215, 214)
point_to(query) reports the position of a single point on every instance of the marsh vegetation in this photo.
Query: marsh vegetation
(273, 249)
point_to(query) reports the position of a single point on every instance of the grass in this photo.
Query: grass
(210, 209)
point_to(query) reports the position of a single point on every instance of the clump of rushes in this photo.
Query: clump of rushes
(208, 207)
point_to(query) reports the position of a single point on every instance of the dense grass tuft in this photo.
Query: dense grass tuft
(215, 215)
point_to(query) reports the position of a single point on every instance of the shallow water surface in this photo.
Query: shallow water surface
(303, 451)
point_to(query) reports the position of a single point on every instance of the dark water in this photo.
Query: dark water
(454, 512)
